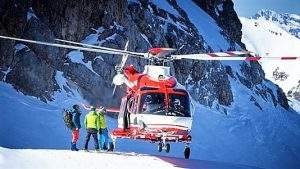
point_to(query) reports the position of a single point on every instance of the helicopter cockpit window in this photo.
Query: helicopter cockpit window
(153, 103)
(179, 106)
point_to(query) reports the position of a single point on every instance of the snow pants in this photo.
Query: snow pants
(103, 138)
(75, 135)
(92, 132)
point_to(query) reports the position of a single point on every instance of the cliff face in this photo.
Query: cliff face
(223, 12)
(32, 68)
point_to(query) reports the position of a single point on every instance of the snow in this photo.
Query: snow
(145, 38)
(295, 16)
(118, 26)
(68, 94)
(42, 127)
(165, 5)
(99, 57)
(112, 37)
(246, 136)
(30, 14)
(220, 7)
(91, 39)
(288, 22)
(19, 47)
(76, 56)
(295, 104)
(5, 73)
(26, 121)
(206, 25)
(170, 21)
(267, 39)
(53, 159)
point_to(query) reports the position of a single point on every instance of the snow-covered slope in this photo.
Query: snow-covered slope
(249, 137)
(286, 21)
(53, 159)
(26, 121)
(266, 36)
(267, 39)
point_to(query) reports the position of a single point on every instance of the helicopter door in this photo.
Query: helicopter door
(122, 120)
(131, 109)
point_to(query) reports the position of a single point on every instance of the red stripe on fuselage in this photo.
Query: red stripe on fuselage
(167, 125)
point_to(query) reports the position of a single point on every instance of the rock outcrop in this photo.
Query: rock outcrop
(32, 68)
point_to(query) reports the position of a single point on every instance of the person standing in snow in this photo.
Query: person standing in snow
(91, 122)
(75, 132)
(103, 132)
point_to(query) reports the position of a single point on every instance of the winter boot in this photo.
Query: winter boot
(73, 147)
(104, 147)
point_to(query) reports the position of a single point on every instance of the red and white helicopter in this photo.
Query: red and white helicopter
(155, 108)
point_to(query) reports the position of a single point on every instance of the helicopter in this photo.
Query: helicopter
(156, 107)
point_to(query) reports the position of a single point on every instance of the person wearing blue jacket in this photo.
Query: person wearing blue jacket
(75, 131)
(103, 132)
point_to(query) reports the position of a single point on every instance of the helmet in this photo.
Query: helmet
(177, 102)
(102, 108)
(76, 106)
(148, 99)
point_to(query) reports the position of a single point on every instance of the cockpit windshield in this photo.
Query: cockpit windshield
(154, 103)
(179, 105)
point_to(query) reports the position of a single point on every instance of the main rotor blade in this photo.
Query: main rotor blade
(104, 48)
(63, 46)
(233, 55)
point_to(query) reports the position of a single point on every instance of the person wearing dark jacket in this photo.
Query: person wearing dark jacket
(75, 131)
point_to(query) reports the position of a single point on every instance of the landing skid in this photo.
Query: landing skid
(163, 139)
(163, 145)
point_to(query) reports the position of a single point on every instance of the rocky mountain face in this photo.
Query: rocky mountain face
(288, 22)
(145, 23)
(295, 92)
(223, 12)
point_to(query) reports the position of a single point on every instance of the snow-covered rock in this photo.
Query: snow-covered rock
(286, 21)
(267, 35)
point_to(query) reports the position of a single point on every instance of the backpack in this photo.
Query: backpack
(68, 119)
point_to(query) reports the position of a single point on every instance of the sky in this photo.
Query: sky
(248, 8)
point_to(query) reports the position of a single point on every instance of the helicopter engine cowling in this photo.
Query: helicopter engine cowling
(120, 79)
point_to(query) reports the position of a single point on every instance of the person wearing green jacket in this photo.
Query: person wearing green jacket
(91, 123)
(103, 132)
